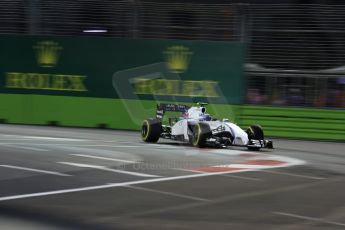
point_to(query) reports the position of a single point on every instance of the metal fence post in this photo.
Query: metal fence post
(136, 11)
(242, 24)
(33, 16)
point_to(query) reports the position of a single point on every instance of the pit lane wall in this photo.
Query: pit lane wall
(116, 83)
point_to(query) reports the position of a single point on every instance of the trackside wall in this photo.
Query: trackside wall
(128, 114)
(116, 83)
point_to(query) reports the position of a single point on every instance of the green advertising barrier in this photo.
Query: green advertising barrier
(307, 123)
(122, 68)
(116, 83)
(324, 124)
(83, 81)
(84, 111)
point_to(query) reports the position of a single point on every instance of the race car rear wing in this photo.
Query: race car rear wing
(162, 108)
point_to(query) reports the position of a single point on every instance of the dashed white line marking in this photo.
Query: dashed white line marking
(163, 146)
(68, 145)
(224, 199)
(105, 158)
(99, 167)
(28, 148)
(167, 193)
(99, 151)
(188, 170)
(232, 176)
(64, 191)
(44, 138)
(244, 177)
(294, 175)
(231, 152)
(15, 197)
(309, 218)
(123, 146)
(98, 145)
(34, 170)
(240, 166)
(292, 162)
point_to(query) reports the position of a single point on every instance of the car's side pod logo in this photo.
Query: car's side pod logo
(47, 53)
(178, 58)
(220, 128)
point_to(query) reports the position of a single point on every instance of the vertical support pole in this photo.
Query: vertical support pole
(33, 12)
(136, 12)
(242, 23)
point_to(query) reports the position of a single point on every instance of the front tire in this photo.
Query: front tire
(151, 130)
(255, 132)
(201, 132)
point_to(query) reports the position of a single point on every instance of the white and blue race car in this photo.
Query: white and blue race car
(198, 128)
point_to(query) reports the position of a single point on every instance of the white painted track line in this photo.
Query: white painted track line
(188, 170)
(162, 146)
(244, 177)
(167, 193)
(34, 170)
(290, 162)
(105, 186)
(99, 167)
(242, 166)
(42, 138)
(68, 145)
(294, 175)
(93, 145)
(309, 218)
(225, 175)
(232, 152)
(104, 158)
(96, 152)
(28, 148)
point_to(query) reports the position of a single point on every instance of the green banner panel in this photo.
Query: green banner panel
(116, 83)
(122, 68)
(324, 124)
(305, 123)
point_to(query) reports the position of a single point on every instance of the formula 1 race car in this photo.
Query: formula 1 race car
(198, 128)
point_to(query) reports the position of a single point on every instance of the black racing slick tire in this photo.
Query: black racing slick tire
(255, 132)
(201, 131)
(151, 130)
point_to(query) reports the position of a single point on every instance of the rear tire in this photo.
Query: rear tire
(151, 130)
(201, 132)
(255, 132)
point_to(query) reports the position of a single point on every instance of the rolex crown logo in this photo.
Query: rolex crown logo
(48, 53)
(177, 58)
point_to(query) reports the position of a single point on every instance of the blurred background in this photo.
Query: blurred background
(107, 63)
(295, 49)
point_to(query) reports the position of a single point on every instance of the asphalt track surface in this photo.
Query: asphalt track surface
(68, 178)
